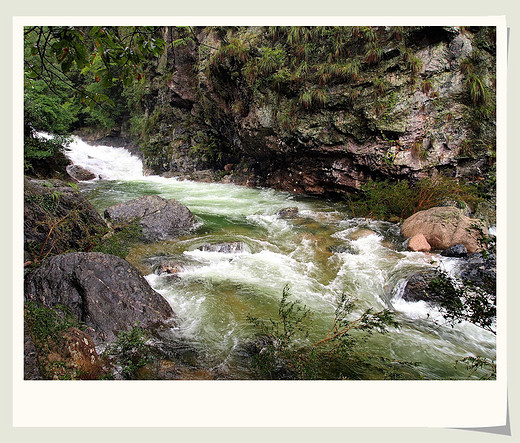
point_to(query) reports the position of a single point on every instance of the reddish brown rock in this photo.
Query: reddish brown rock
(418, 243)
(70, 354)
(444, 227)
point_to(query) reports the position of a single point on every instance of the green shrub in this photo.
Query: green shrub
(283, 349)
(466, 300)
(386, 200)
(36, 150)
(130, 352)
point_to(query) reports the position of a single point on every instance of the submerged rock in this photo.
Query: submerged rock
(287, 212)
(416, 288)
(168, 267)
(344, 249)
(480, 268)
(444, 227)
(361, 233)
(225, 248)
(456, 251)
(103, 291)
(160, 219)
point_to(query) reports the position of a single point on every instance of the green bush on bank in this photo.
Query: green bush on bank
(398, 200)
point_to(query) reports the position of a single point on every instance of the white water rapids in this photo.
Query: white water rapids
(320, 255)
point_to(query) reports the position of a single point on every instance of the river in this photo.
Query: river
(319, 255)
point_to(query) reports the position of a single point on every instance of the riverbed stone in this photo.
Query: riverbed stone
(417, 288)
(103, 291)
(225, 248)
(287, 212)
(361, 233)
(70, 355)
(418, 243)
(444, 227)
(159, 218)
(168, 267)
(456, 251)
(79, 173)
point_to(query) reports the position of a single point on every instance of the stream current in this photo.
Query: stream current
(319, 255)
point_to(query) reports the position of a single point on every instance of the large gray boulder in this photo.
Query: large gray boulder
(103, 291)
(444, 227)
(160, 219)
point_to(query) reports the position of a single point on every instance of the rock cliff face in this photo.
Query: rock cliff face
(321, 110)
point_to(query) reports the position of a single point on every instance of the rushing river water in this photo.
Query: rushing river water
(320, 255)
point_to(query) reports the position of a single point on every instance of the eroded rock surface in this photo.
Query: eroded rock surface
(160, 219)
(103, 291)
(444, 227)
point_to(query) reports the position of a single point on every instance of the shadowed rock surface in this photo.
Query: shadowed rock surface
(103, 291)
(225, 248)
(57, 218)
(287, 212)
(417, 288)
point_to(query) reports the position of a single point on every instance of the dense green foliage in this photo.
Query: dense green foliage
(283, 349)
(399, 200)
(74, 77)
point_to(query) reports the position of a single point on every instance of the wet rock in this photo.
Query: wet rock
(361, 233)
(160, 219)
(418, 243)
(457, 251)
(416, 288)
(168, 267)
(343, 249)
(444, 227)
(80, 174)
(287, 212)
(226, 248)
(103, 291)
(481, 269)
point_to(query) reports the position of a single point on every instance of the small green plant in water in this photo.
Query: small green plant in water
(485, 368)
(283, 349)
(130, 352)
